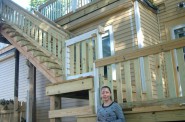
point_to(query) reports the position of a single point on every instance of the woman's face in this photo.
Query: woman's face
(105, 94)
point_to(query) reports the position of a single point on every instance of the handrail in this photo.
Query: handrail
(149, 50)
(55, 9)
(164, 65)
(51, 22)
(46, 4)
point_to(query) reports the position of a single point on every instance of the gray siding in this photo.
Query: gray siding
(7, 79)
(42, 101)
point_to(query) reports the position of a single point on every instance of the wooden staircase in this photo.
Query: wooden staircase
(45, 63)
(39, 41)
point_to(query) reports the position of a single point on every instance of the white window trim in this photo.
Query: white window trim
(175, 53)
(175, 28)
(111, 35)
(140, 43)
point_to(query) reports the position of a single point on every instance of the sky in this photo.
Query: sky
(23, 3)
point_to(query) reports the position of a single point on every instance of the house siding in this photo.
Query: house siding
(7, 72)
(124, 30)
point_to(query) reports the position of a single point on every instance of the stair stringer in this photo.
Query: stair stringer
(42, 67)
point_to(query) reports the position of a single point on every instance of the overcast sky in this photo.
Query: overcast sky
(23, 3)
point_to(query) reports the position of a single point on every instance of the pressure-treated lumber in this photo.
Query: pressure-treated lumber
(149, 50)
(71, 86)
(165, 101)
(71, 112)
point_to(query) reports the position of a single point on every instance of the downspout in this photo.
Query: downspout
(140, 41)
(16, 86)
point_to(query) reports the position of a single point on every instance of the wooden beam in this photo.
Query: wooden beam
(150, 50)
(162, 116)
(31, 102)
(55, 104)
(158, 116)
(84, 84)
(71, 112)
(86, 15)
(166, 101)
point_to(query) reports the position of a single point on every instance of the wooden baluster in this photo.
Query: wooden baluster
(77, 58)
(119, 83)
(110, 80)
(129, 95)
(60, 47)
(36, 33)
(148, 80)
(138, 80)
(29, 28)
(44, 39)
(49, 42)
(54, 45)
(90, 55)
(22, 22)
(101, 77)
(84, 57)
(72, 68)
(170, 75)
(19, 20)
(63, 53)
(181, 67)
(159, 82)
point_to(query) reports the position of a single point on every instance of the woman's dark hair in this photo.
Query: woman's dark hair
(107, 88)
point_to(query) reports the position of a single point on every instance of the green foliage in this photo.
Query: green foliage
(36, 3)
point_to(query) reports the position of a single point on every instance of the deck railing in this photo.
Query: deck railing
(164, 79)
(80, 55)
(43, 34)
(54, 9)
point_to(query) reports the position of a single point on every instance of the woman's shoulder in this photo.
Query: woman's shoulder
(115, 104)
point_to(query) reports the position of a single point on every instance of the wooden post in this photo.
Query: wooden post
(16, 88)
(55, 103)
(31, 101)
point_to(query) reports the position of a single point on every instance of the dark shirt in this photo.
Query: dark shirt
(111, 113)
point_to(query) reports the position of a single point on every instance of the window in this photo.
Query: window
(179, 33)
(107, 47)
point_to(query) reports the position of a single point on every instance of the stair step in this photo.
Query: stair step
(50, 65)
(43, 59)
(5, 26)
(24, 43)
(10, 31)
(57, 72)
(19, 38)
(15, 34)
(31, 48)
(37, 53)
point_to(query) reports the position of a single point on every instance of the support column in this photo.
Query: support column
(16, 87)
(55, 103)
(31, 97)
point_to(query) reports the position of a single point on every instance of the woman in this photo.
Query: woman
(109, 111)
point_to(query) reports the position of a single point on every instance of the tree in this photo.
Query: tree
(36, 3)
